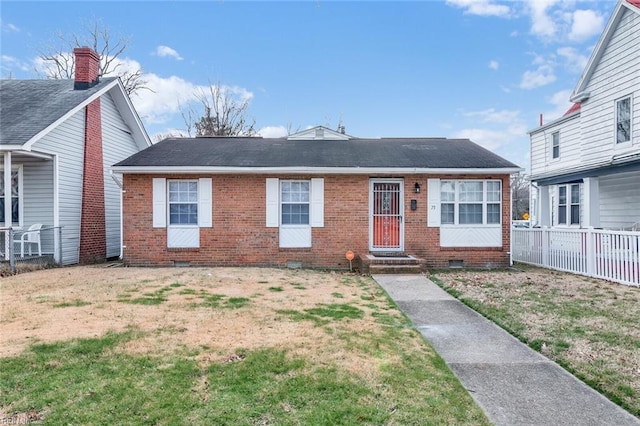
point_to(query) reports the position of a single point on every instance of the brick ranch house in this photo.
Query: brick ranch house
(307, 199)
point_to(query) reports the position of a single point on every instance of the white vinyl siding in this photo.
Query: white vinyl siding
(616, 75)
(67, 140)
(619, 200)
(117, 144)
(542, 160)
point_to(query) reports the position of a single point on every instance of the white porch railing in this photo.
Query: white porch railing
(610, 255)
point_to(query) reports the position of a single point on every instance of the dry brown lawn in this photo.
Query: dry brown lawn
(88, 301)
(591, 326)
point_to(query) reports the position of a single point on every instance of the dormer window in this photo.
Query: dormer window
(623, 120)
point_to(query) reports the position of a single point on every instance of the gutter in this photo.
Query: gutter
(310, 170)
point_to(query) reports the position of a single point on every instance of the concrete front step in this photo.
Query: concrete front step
(395, 269)
(397, 263)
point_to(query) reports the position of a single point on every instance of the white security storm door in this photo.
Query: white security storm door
(386, 210)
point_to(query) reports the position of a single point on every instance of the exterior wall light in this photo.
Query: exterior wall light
(416, 188)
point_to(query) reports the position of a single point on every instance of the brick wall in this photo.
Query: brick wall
(239, 235)
(87, 68)
(93, 240)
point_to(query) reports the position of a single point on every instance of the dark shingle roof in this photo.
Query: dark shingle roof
(224, 152)
(29, 106)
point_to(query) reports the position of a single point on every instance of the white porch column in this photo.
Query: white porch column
(7, 188)
(544, 206)
(591, 202)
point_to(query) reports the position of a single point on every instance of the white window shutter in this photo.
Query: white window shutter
(159, 202)
(205, 204)
(273, 197)
(317, 203)
(433, 192)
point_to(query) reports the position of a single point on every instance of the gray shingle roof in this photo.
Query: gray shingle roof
(29, 106)
(224, 152)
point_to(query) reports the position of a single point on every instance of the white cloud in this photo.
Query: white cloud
(9, 27)
(490, 115)
(542, 24)
(586, 24)
(167, 52)
(494, 139)
(273, 131)
(560, 104)
(494, 65)
(575, 61)
(481, 7)
(10, 63)
(542, 76)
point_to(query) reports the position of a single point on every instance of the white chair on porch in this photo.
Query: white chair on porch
(29, 238)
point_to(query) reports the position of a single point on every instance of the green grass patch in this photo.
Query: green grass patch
(76, 303)
(337, 311)
(337, 295)
(276, 289)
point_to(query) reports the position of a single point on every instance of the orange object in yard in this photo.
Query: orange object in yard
(349, 255)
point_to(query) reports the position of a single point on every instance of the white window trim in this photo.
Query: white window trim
(169, 203)
(291, 233)
(485, 202)
(281, 203)
(20, 171)
(626, 144)
(568, 204)
(182, 235)
(557, 132)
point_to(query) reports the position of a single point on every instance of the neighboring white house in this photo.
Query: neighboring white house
(585, 166)
(58, 139)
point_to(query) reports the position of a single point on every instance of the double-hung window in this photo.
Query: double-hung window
(623, 120)
(470, 202)
(183, 207)
(10, 193)
(183, 202)
(295, 206)
(569, 204)
(294, 198)
(555, 145)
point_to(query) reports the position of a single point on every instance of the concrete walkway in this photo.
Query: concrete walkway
(512, 383)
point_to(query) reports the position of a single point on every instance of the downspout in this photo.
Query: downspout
(510, 223)
(122, 190)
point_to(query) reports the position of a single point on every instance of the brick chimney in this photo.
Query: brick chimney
(87, 68)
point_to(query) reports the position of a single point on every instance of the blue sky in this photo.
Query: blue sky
(482, 69)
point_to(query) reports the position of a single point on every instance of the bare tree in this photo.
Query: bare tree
(519, 195)
(223, 114)
(59, 62)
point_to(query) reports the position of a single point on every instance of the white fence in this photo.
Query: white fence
(610, 255)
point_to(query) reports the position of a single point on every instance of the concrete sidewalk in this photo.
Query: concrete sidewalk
(512, 383)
